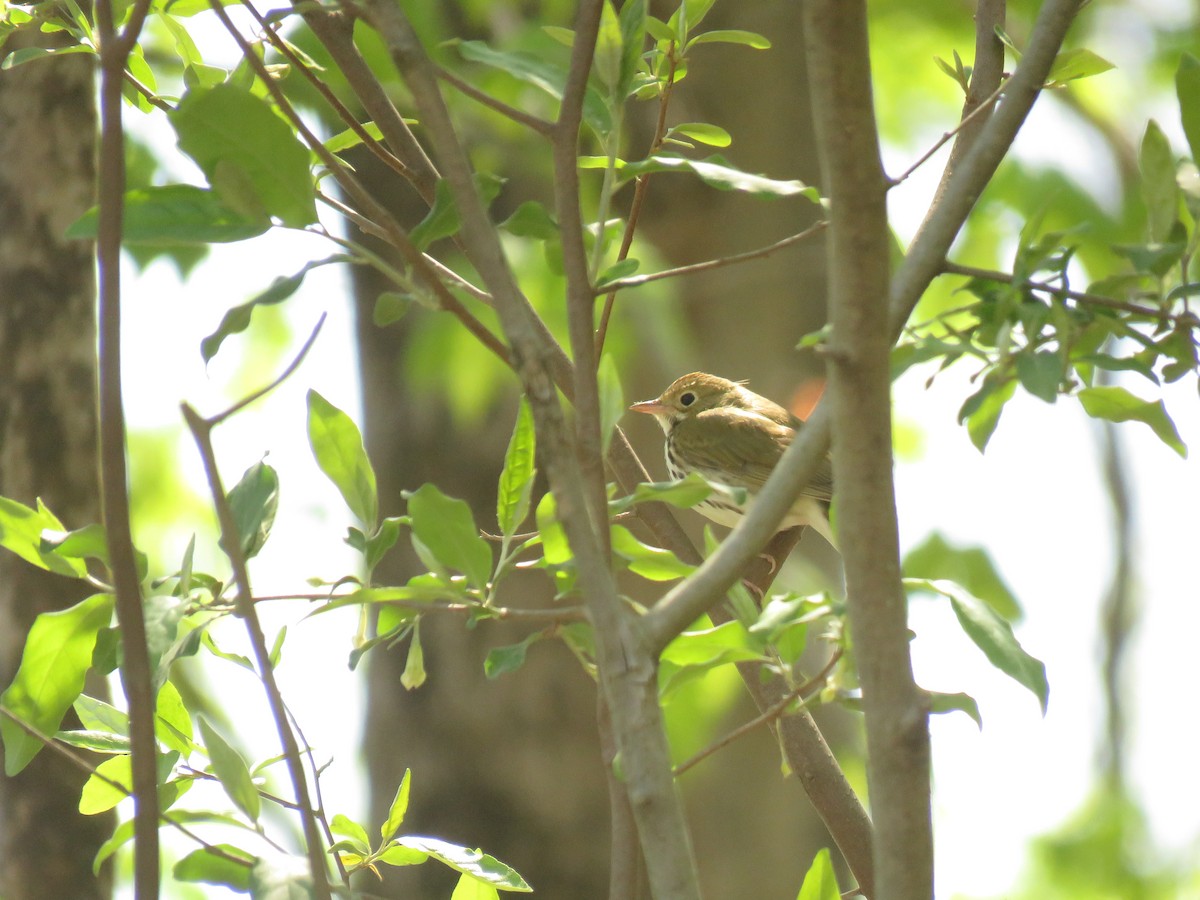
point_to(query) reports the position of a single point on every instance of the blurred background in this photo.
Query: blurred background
(1089, 526)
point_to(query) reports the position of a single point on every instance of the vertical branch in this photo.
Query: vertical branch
(135, 670)
(898, 750)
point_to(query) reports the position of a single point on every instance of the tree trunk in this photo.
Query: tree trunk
(47, 433)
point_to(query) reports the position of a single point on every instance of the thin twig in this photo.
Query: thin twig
(538, 125)
(641, 185)
(231, 541)
(638, 280)
(552, 615)
(770, 714)
(978, 112)
(1088, 299)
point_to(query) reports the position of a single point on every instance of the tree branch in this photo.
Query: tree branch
(136, 674)
(858, 358)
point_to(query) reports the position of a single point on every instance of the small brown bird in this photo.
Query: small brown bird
(734, 438)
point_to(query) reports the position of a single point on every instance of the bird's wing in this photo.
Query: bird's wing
(746, 446)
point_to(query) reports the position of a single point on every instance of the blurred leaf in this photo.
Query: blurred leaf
(446, 527)
(944, 703)
(692, 653)
(633, 39)
(390, 306)
(469, 888)
(441, 221)
(983, 408)
(231, 770)
(275, 876)
(612, 400)
(174, 214)
(338, 447)
(991, 634)
(702, 132)
(254, 500)
(1187, 89)
(516, 480)
(1159, 188)
(242, 145)
(237, 319)
(531, 219)
(413, 675)
(972, 567)
(716, 172)
(820, 882)
(1040, 373)
(555, 548)
(207, 867)
(54, 663)
(501, 660)
(616, 272)
(397, 810)
(344, 140)
(685, 493)
(1118, 405)
(1074, 64)
(606, 57)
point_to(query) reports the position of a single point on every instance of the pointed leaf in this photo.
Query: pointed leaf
(478, 865)
(1160, 190)
(398, 809)
(612, 400)
(254, 500)
(972, 567)
(516, 480)
(1187, 89)
(944, 703)
(56, 658)
(21, 532)
(1118, 405)
(231, 770)
(413, 675)
(338, 447)
(820, 881)
(206, 867)
(172, 214)
(441, 221)
(446, 527)
(731, 36)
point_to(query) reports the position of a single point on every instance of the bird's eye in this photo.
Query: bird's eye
(687, 398)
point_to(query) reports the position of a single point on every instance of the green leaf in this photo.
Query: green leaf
(1071, 65)
(413, 675)
(445, 526)
(28, 54)
(991, 634)
(382, 541)
(652, 563)
(820, 882)
(606, 57)
(163, 615)
(531, 219)
(1040, 373)
(730, 36)
(1118, 405)
(474, 863)
(231, 770)
(685, 493)
(1187, 89)
(633, 38)
(338, 447)
(348, 828)
(469, 888)
(1160, 190)
(237, 319)
(702, 132)
(972, 567)
(100, 716)
(254, 500)
(279, 877)
(983, 408)
(96, 741)
(344, 140)
(693, 653)
(944, 703)
(716, 172)
(21, 532)
(390, 306)
(617, 271)
(248, 153)
(397, 810)
(174, 214)
(442, 220)
(54, 663)
(516, 480)
(555, 548)
(501, 660)
(206, 867)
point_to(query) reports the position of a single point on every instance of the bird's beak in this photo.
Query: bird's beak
(651, 407)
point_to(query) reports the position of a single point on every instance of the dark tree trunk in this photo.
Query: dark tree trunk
(47, 433)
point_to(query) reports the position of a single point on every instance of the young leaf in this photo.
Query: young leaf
(1040, 373)
(633, 38)
(275, 876)
(992, 635)
(21, 532)
(1118, 405)
(207, 867)
(253, 501)
(652, 563)
(413, 675)
(348, 828)
(516, 480)
(606, 58)
(731, 36)
(702, 132)
(617, 271)
(447, 528)
(469, 888)
(983, 408)
(820, 882)
(684, 493)
(398, 809)
(716, 172)
(555, 548)
(1074, 64)
(944, 703)
(531, 219)
(56, 658)
(500, 660)
(971, 567)
(243, 146)
(231, 770)
(338, 447)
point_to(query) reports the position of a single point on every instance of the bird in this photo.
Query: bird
(734, 437)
